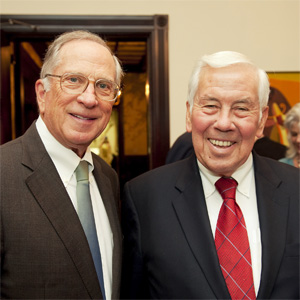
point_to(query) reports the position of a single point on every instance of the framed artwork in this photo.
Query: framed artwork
(285, 92)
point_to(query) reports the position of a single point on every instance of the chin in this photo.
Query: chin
(221, 169)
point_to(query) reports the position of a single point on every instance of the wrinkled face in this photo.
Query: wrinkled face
(76, 120)
(295, 136)
(225, 117)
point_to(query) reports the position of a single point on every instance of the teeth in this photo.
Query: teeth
(82, 118)
(221, 143)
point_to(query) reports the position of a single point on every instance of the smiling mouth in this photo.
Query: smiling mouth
(82, 118)
(221, 143)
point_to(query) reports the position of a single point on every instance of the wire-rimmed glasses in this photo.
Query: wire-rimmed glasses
(75, 84)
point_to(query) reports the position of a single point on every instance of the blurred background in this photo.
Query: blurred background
(158, 43)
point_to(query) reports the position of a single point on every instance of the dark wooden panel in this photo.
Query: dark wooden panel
(153, 29)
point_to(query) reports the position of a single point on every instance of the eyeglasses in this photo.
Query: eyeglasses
(76, 84)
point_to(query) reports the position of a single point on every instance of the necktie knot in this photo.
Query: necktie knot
(226, 187)
(82, 171)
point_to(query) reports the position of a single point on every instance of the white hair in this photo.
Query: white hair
(291, 118)
(225, 59)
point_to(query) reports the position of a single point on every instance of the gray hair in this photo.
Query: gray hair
(225, 59)
(52, 57)
(292, 117)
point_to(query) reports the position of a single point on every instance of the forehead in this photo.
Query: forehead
(295, 126)
(85, 54)
(237, 77)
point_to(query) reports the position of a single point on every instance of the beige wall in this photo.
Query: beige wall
(265, 30)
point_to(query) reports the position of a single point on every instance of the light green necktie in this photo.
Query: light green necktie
(86, 216)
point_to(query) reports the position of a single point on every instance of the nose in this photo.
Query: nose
(88, 97)
(224, 121)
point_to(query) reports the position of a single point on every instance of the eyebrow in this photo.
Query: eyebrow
(95, 79)
(246, 100)
(207, 98)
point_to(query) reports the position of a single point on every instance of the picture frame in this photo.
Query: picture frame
(284, 94)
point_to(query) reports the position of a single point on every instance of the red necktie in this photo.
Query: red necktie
(232, 243)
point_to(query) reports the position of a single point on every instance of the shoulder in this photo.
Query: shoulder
(14, 146)
(278, 181)
(185, 137)
(182, 148)
(160, 177)
(10, 154)
(274, 169)
(10, 146)
(269, 148)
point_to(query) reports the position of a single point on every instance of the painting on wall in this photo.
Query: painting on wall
(285, 92)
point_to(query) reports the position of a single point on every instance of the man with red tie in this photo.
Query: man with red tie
(223, 223)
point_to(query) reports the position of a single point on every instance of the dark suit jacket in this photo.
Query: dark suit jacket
(182, 148)
(169, 250)
(269, 148)
(44, 251)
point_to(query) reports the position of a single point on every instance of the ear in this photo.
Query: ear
(188, 118)
(40, 95)
(262, 122)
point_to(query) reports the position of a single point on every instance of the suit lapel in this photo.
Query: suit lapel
(273, 216)
(48, 190)
(191, 210)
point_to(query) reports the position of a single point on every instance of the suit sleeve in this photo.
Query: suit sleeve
(134, 283)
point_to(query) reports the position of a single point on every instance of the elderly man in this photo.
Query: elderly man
(223, 223)
(60, 231)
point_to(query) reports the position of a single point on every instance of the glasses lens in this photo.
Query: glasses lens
(106, 90)
(73, 83)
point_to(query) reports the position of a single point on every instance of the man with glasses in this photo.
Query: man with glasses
(51, 247)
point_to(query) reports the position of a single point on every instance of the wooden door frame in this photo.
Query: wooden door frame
(154, 28)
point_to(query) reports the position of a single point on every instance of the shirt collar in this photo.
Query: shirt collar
(64, 159)
(242, 175)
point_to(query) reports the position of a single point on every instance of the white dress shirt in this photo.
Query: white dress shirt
(66, 161)
(246, 199)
